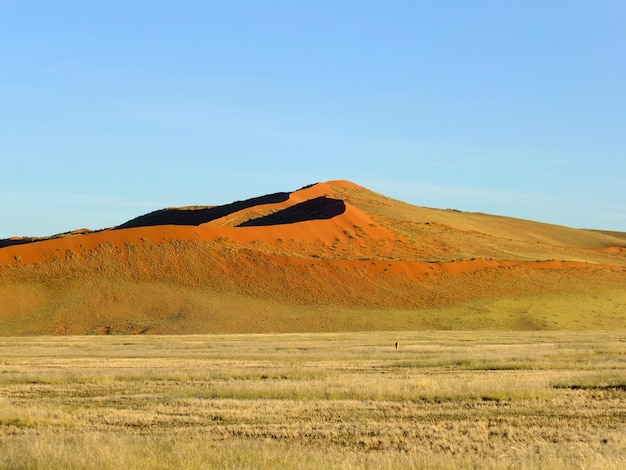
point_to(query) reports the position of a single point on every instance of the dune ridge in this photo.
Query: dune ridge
(333, 245)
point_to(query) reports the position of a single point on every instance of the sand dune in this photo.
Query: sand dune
(307, 215)
(328, 244)
(319, 214)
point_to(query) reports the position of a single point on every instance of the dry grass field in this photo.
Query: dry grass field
(476, 399)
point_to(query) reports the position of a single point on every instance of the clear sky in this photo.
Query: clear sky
(112, 109)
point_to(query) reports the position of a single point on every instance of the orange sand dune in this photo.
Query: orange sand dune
(351, 230)
(351, 227)
(340, 227)
(46, 250)
(310, 192)
(328, 244)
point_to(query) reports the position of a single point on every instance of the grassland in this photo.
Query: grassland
(333, 400)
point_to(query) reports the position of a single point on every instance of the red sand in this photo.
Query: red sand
(314, 231)
(354, 226)
(205, 278)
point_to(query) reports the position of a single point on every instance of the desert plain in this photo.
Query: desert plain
(328, 327)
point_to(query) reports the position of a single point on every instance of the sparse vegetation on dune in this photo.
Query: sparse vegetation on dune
(450, 234)
(354, 260)
(199, 287)
(340, 400)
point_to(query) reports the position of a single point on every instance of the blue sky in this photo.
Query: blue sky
(109, 110)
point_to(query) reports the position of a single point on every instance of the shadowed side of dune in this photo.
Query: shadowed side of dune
(200, 216)
(15, 241)
(319, 208)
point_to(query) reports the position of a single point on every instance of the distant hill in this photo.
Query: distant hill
(330, 256)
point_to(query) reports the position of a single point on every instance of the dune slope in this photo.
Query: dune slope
(330, 256)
